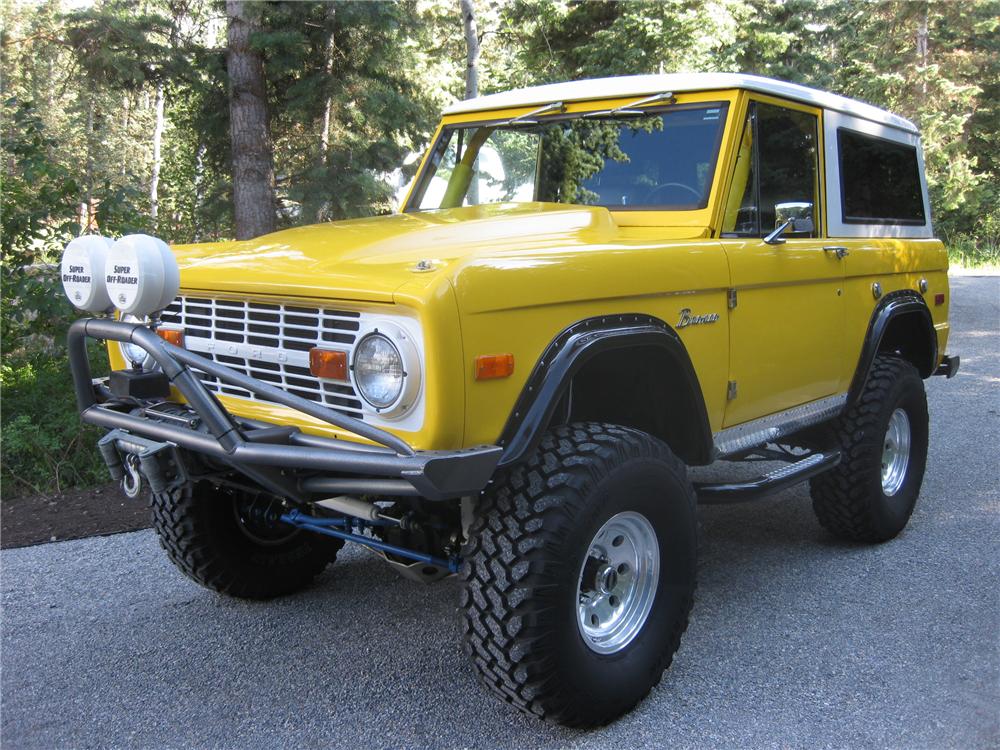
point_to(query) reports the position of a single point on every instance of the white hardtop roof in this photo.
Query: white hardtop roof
(610, 88)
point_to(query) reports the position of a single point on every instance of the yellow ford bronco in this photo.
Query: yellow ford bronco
(591, 286)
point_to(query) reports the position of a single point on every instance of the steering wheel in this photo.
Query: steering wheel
(664, 185)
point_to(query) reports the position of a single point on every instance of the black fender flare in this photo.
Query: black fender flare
(568, 353)
(892, 306)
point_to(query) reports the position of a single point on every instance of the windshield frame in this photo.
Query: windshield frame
(726, 100)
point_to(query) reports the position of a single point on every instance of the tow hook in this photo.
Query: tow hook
(136, 462)
(132, 481)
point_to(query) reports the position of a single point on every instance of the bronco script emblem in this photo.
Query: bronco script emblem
(687, 319)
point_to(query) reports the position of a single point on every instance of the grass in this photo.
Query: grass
(965, 253)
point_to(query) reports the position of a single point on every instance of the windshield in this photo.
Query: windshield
(661, 161)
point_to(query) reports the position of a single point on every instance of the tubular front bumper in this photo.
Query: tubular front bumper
(283, 459)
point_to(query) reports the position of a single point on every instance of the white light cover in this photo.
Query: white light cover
(141, 274)
(82, 270)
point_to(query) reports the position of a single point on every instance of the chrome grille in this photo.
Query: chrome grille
(270, 342)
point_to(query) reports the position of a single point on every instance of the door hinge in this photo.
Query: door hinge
(731, 299)
(731, 390)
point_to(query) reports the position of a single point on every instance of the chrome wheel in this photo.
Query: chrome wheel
(895, 452)
(618, 582)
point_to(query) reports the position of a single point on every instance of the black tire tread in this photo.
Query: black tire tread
(841, 496)
(179, 521)
(505, 562)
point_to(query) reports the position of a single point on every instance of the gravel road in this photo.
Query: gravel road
(795, 640)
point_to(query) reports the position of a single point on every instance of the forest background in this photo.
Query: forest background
(117, 118)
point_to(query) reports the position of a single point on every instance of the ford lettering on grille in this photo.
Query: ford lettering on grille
(270, 342)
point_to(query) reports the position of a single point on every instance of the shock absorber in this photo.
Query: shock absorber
(353, 506)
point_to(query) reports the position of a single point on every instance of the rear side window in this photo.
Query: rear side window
(879, 180)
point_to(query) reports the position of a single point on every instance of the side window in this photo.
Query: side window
(776, 172)
(880, 180)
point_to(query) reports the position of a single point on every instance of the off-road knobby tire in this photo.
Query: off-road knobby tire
(199, 530)
(849, 500)
(521, 572)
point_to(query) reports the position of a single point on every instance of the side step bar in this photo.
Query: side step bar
(774, 481)
(948, 367)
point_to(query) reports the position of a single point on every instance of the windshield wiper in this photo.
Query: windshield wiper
(526, 118)
(628, 109)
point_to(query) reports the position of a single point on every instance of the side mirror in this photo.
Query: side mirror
(794, 217)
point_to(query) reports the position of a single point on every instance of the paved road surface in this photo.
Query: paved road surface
(795, 640)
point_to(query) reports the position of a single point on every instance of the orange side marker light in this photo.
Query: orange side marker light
(171, 336)
(328, 363)
(492, 366)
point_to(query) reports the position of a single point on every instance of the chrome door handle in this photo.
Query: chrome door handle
(839, 250)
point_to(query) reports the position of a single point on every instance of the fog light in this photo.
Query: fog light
(134, 354)
(141, 274)
(82, 272)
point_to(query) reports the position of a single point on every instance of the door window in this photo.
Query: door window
(776, 173)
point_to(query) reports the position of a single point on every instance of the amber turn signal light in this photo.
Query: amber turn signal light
(171, 336)
(328, 363)
(490, 366)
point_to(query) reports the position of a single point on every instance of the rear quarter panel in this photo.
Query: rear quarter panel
(894, 264)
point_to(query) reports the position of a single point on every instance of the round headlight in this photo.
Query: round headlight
(378, 370)
(134, 354)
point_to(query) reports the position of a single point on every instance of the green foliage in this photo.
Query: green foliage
(355, 58)
(195, 182)
(560, 41)
(36, 221)
(38, 192)
(45, 448)
(978, 247)
(122, 48)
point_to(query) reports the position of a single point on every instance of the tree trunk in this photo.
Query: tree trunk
(199, 189)
(324, 133)
(923, 37)
(471, 78)
(154, 178)
(87, 207)
(471, 49)
(253, 159)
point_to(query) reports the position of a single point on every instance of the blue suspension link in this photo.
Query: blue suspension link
(333, 527)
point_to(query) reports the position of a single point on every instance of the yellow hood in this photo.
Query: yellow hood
(369, 259)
